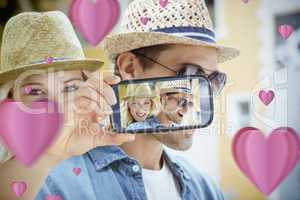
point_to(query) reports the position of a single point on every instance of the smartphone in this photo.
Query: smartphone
(162, 104)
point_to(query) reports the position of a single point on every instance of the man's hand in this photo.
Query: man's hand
(87, 112)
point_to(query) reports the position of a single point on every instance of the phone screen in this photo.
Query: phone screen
(162, 104)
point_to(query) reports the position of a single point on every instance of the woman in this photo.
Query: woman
(42, 58)
(139, 104)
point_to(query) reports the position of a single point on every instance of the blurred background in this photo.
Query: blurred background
(267, 61)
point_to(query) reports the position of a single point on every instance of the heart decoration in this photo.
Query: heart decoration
(266, 161)
(53, 197)
(285, 30)
(144, 20)
(28, 131)
(49, 60)
(266, 97)
(163, 3)
(94, 19)
(77, 171)
(27, 89)
(18, 187)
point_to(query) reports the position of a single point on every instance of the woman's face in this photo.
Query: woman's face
(56, 86)
(140, 108)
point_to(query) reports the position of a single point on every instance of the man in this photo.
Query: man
(176, 98)
(158, 40)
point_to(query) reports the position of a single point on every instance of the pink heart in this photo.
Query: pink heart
(28, 131)
(72, 12)
(266, 161)
(144, 20)
(27, 89)
(238, 143)
(266, 97)
(285, 30)
(53, 197)
(163, 3)
(76, 170)
(18, 187)
(94, 20)
(49, 60)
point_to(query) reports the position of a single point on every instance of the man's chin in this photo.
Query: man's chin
(180, 146)
(177, 141)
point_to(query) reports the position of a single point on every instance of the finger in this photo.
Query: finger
(110, 139)
(104, 89)
(120, 138)
(112, 79)
(88, 104)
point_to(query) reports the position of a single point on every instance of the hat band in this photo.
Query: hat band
(53, 60)
(181, 90)
(198, 33)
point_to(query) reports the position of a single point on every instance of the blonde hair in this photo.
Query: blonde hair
(5, 155)
(126, 115)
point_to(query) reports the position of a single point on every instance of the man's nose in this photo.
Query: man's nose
(184, 110)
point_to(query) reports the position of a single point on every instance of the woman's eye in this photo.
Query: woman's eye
(71, 88)
(35, 92)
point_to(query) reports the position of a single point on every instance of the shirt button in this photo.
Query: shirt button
(135, 168)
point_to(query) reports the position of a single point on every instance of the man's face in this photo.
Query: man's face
(175, 57)
(173, 108)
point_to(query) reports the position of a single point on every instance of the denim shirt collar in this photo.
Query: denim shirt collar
(105, 156)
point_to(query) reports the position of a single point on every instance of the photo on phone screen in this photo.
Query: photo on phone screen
(162, 104)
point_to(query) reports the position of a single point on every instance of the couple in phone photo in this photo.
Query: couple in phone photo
(175, 101)
(176, 37)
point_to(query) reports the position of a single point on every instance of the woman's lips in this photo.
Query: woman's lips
(141, 114)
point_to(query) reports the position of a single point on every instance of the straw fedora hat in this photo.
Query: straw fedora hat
(139, 90)
(155, 22)
(30, 37)
(178, 86)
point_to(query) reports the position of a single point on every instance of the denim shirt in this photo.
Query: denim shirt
(151, 122)
(107, 173)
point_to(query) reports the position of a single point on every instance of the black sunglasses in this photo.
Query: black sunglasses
(182, 102)
(217, 79)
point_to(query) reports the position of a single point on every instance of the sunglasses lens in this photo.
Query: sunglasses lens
(185, 103)
(218, 81)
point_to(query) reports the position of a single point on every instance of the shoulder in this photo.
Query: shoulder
(66, 176)
(66, 167)
(198, 181)
(139, 125)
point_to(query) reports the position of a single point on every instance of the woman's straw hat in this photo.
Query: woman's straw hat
(157, 22)
(139, 90)
(31, 37)
(177, 86)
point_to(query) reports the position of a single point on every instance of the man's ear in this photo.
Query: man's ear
(163, 99)
(128, 65)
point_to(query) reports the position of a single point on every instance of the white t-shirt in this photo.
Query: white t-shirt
(161, 184)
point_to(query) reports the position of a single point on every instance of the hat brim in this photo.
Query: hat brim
(61, 65)
(146, 96)
(124, 42)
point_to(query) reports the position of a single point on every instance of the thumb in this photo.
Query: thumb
(108, 139)
(112, 79)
